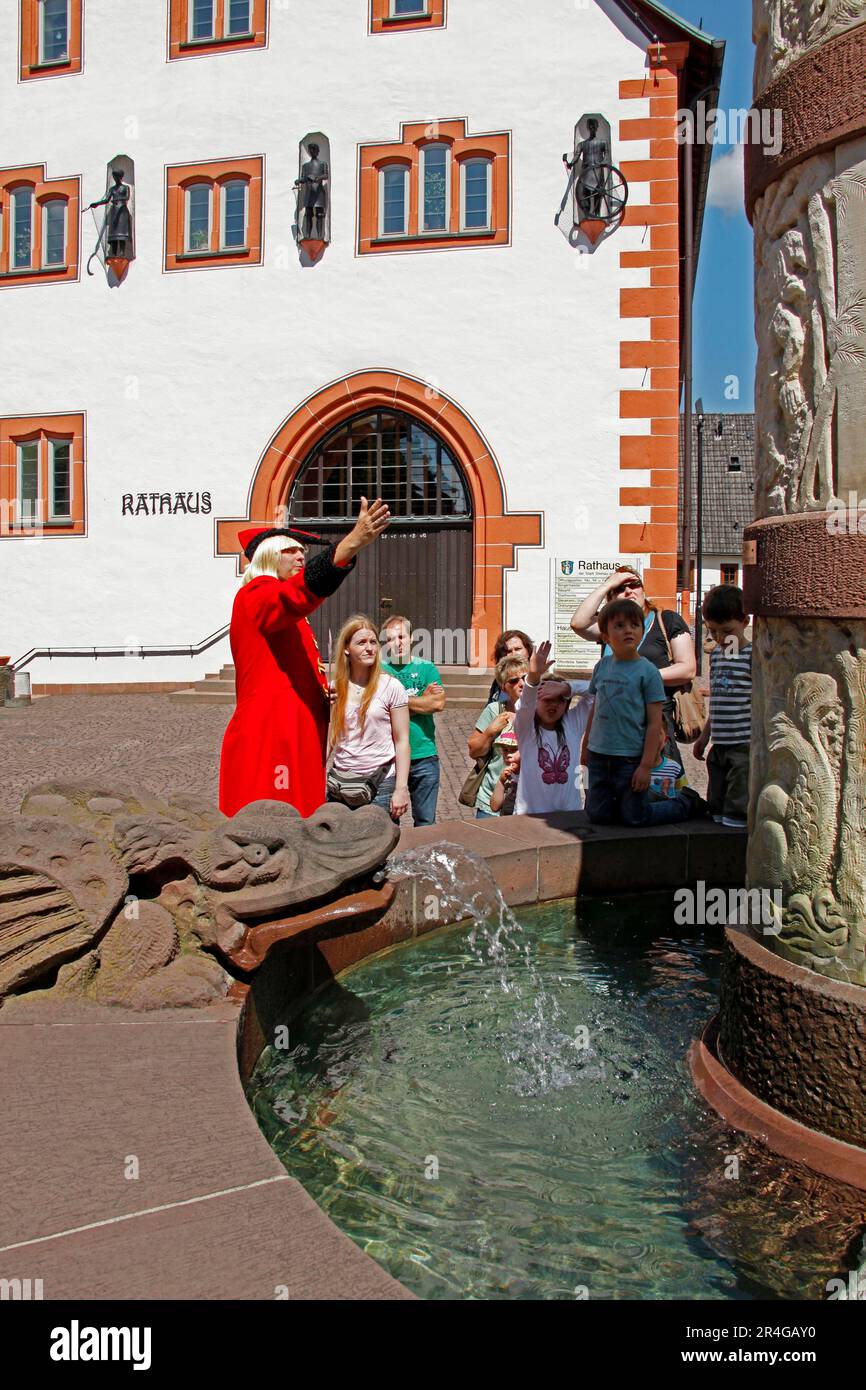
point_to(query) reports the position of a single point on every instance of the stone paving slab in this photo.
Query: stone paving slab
(265, 1242)
(149, 739)
(87, 1096)
(212, 1214)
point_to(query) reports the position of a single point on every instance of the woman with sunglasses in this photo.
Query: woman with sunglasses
(674, 658)
(495, 719)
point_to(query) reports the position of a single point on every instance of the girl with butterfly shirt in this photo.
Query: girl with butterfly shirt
(549, 737)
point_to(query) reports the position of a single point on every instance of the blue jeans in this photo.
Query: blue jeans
(611, 801)
(385, 792)
(424, 789)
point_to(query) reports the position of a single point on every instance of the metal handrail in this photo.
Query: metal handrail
(94, 653)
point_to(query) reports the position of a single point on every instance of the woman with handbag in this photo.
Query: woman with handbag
(667, 643)
(369, 725)
(495, 719)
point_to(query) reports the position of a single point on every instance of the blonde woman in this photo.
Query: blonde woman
(369, 725)
(274, 746)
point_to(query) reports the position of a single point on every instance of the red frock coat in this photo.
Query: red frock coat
(274, 746)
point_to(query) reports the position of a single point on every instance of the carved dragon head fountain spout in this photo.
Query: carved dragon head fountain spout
(145, 903)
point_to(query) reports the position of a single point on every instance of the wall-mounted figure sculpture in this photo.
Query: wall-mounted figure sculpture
(600, 191)
(115, 244)
(312, 228)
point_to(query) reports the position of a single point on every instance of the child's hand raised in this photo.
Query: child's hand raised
(540, 662)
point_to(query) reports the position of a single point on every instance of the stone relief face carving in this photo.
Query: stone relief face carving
(782, 30)
(808, 814)
(809, 340)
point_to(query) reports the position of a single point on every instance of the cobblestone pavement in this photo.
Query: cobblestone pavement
(169, 747)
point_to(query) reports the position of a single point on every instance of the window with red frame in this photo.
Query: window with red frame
(389, 16)
(38, 227)
(42, 475)
(435, 187)
(198, 27)
(214, 214)
(51, 38)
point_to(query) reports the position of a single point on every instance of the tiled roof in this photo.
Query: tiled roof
(729, 495)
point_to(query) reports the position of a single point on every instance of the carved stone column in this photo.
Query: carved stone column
(792, 1031)
(805, 558)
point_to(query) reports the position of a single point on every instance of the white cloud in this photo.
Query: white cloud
(726, 182)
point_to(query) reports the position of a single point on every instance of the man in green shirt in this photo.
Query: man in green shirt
(426, 698)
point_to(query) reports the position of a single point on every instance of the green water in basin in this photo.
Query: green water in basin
(521, 1123)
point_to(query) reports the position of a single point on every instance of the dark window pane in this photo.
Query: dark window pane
(55, 30)
(239, 16)
(61, 478)
(475, 206)
(234, 210)
(198, 212)
(381, 454)
(394, 200)
(435, 173)
(22, 220)
(202, 19)
(54, 250)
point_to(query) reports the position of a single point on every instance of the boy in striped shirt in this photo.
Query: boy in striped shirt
(729, 724)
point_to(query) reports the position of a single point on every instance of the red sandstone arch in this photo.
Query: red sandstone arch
(496, 531)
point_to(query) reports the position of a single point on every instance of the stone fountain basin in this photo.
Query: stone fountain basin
(212, 1213)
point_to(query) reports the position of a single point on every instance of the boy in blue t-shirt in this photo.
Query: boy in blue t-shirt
(625, 728)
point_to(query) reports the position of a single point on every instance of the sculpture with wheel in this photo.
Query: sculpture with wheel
(602, 194)
(600, 189)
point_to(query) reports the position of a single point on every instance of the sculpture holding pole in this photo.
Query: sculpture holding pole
(115, 244)
(312, 187)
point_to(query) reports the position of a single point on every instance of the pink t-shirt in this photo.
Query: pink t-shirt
(362, 752)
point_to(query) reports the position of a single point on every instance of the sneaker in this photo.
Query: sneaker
(734, 822)
(717, 819)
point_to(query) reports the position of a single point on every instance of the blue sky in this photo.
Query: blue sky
(724, 316)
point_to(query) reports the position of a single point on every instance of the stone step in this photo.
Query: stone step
(468, 675)
(202, 697)
(465, 687)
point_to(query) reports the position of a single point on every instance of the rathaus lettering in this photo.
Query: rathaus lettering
(156, 503)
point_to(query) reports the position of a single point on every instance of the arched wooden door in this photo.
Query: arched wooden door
(422, 565)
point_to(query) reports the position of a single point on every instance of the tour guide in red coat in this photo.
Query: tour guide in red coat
(274, 746)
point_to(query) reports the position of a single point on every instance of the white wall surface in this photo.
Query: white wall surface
(184, 377)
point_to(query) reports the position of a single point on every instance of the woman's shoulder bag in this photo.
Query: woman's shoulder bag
(690, 711)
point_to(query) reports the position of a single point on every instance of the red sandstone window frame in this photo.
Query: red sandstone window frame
(216, 174)
(181, 45)
(408, 151)
(383, 20)
(42, 430)
(31, 66)
(44, 191)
